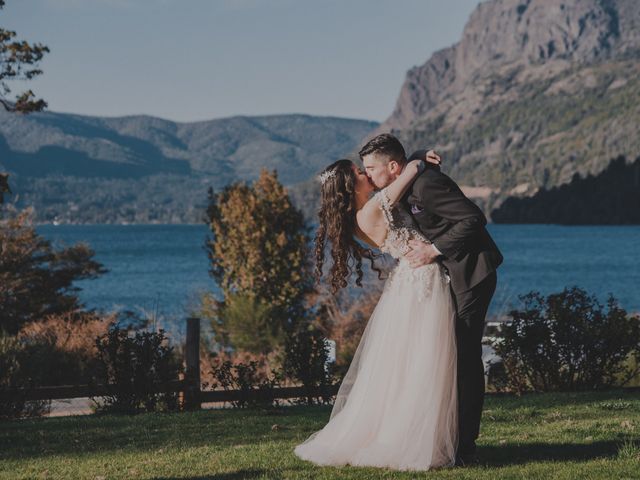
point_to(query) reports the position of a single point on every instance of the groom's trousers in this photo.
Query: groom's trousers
(471, 310)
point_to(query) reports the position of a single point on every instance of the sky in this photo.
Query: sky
(191, 60)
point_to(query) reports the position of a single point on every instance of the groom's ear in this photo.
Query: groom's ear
(394, 167)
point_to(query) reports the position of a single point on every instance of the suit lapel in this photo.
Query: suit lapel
(402, 213)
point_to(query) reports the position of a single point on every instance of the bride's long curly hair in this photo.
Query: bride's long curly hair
(338, 225)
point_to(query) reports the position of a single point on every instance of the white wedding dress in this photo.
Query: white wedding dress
(397, 405)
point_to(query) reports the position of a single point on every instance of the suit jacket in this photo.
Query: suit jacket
(454, 224)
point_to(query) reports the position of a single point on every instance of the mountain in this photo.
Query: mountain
(535, 92)
(81, 169)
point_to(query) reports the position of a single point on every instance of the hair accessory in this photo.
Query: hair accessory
(326, 175)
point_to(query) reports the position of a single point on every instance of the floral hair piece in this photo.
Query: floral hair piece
(326, 175)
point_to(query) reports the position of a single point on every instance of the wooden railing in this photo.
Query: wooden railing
(190, 386)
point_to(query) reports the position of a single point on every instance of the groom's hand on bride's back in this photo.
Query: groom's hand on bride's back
(421, 253)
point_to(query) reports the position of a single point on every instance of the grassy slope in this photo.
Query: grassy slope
(588, 435)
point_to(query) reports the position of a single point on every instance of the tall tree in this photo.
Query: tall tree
(259, 257)
(18, 62)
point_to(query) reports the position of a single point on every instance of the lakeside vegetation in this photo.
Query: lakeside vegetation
(270, 323)
(610, 198)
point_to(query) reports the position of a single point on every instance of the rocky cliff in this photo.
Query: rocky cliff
(533, 93)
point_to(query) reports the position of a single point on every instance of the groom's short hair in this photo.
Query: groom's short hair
(385, 144)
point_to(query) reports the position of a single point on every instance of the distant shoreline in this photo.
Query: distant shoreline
(115, 224)
(490, 223)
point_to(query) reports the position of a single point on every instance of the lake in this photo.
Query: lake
(162, 269)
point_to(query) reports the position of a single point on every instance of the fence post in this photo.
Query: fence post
(192, 359)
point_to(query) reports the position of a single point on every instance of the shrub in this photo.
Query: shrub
(568, 341)
(61, 349)
(305, 359)
(137, 365)
(16, 380)
(247, 375)
(343, 320)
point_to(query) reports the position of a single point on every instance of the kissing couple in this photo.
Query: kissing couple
(413, 394)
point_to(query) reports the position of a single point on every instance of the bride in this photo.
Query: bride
(396, 406)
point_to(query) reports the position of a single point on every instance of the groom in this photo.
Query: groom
(456, 227)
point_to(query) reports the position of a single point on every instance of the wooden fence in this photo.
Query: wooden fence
(190, 386)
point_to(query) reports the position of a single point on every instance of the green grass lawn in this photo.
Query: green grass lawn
(572, 436)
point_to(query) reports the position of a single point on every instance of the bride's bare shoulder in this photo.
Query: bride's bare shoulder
(370, 222)
(370, 211)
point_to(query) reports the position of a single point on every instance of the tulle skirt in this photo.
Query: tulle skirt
(397, 405)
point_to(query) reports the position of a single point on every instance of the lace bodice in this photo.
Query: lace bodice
(396, 243)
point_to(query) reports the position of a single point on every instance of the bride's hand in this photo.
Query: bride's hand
(432, 157)
(416, 166)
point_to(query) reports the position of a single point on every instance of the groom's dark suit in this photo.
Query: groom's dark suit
(456, 226)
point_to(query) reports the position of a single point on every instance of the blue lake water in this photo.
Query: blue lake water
(162, 269)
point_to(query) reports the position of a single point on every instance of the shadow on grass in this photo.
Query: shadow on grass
(510, 454)
(559, 399)
(236, 475)
(42, 437)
